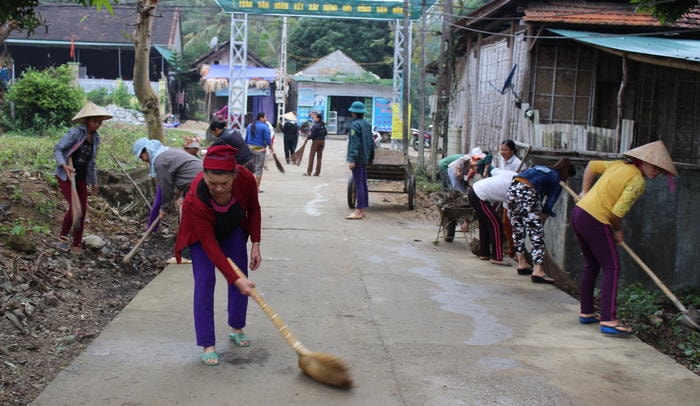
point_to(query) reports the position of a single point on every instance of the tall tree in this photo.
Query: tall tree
(142, 86)
(369, 43)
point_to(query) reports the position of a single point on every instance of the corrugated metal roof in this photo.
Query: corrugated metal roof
(66, 22)
(685, 49)
(601, 13)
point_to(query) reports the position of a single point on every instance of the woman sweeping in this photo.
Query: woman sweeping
(221, 210)
(78, 146)
(525, 194)
(597, 223)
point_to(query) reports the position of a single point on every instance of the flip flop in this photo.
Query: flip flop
(588, 319)
(240, 339)
(614, 331)
(542, 279)
(353, 217)
(210, 358)
(500, 263)
(524, 271)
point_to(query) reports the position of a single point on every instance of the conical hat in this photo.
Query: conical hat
(90, 109)
(290, 116)
(654, 153)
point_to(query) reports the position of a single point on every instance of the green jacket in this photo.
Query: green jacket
(360, 145)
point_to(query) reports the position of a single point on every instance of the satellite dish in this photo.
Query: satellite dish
(213, 42)
(509, 80)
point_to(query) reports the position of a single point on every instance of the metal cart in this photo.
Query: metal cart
(392, 166)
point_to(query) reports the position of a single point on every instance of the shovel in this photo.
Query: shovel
(691, 316)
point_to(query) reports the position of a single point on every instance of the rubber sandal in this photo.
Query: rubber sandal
(353, 217)
(484, 258)
(542, 279)
(524, 271)
(588, 319)
(240, 339)
(614, 331)
(63, 246)
(500, 263)
(207, 358)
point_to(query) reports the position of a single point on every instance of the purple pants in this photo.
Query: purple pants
(600, 253)
(359, 177)
(234, 247)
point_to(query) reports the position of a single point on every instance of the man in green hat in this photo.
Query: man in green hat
(360, 154)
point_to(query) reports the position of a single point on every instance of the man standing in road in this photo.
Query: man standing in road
(258, 139)
(360, 154)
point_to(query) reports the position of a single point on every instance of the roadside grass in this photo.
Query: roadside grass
(657, 322)
(34, 153)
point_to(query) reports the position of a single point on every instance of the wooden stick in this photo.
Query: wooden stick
(293, 341)
(119, 164)
(131, 253)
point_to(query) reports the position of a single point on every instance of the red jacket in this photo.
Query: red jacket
(197, 223)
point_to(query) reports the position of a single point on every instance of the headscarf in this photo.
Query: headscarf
(153, 147)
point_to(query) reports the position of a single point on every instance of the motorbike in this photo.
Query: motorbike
(376, 137)
(427, 137)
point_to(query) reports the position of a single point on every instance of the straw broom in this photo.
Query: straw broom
(299, 155)
(76, 208)
(319, 366)
(278, 164)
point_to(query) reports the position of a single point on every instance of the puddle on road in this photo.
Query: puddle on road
(458, 297)
(314, 206)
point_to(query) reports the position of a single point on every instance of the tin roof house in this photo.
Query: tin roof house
(96, 40)
(330, 85)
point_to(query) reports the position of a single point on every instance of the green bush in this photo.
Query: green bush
(121, 96)
(43, 99)
(100, 96)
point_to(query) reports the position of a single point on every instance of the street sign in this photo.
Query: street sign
(365, 9)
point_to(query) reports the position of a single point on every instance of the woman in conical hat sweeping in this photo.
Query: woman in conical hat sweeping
(597, 223)
(78, 146)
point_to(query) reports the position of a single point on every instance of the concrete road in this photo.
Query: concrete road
(420, 324)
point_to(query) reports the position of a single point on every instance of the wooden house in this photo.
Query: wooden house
(587, 79)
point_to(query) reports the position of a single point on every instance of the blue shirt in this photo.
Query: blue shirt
(261, 138)
(545, 180)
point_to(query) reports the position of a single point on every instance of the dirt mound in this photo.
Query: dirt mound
(193, 125)
(52, 304)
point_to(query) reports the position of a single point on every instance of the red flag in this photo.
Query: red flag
(72, 48)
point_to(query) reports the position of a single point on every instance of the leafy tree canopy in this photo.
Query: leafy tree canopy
(369, 43)
(666, 11)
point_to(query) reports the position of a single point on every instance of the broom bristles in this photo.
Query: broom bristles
(326, 368)
(278, 164)
(76, 210)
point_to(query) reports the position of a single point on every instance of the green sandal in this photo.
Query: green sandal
(210, 358)
(240, 339)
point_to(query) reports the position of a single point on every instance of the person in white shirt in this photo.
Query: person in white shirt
(483, 196)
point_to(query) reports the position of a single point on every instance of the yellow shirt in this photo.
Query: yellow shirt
(619, 186)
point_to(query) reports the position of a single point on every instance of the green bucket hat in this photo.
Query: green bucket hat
(357, 107)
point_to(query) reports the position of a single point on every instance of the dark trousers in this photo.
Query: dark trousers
(234, 247)
(490, 228)
(81, 187)
(600, 253)
(290, 145)
(316, 151)
(359, 177)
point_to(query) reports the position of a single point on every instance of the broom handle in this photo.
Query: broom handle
(276, 320)
(639, 261)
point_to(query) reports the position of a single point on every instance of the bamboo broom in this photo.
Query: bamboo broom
(319, 366)
(299, 154)
(76, 208)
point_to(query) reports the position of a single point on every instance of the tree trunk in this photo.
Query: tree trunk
(142, 87)
(5, 29)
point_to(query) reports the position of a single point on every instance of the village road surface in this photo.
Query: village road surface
(419, 324)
